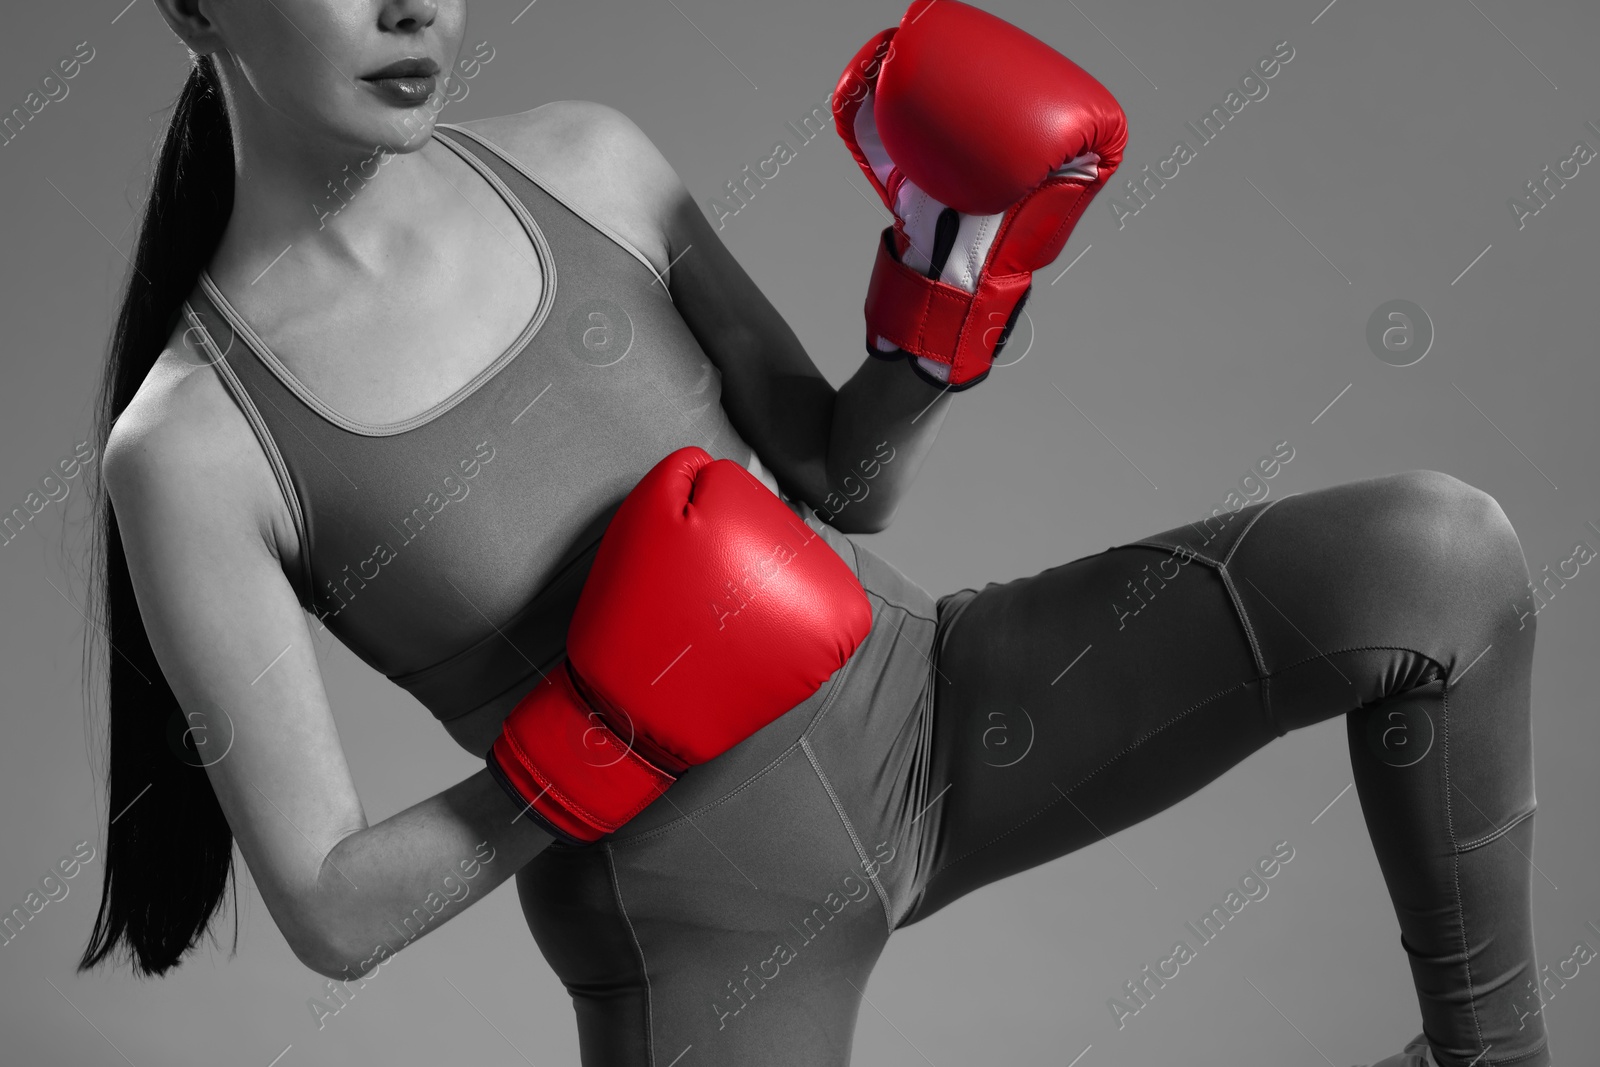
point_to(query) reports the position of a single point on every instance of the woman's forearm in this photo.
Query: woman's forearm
(884, 421)
(388, 884)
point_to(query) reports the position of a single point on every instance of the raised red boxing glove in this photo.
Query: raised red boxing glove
(709, 611)
(987, 145)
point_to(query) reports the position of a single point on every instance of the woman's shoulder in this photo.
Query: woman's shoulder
(180, 403)
(596, 158)
(565, 135)
(182, 443)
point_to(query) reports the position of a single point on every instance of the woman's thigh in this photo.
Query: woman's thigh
(1073, 703)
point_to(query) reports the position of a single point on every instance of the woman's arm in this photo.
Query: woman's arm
(202, 523)
(882, 427)
(861, 443)
(850, 453)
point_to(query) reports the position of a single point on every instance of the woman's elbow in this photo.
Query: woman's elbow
(323, 944)
(322, 953)
(334, 958)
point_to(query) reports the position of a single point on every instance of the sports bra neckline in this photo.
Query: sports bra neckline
(547, 266)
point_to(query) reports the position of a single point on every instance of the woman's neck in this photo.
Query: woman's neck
(331, 210)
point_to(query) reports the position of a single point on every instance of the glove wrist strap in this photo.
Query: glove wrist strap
(562, 760)
(531, 811)
(939, 321)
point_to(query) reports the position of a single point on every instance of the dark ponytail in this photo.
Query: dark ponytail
(169, 852)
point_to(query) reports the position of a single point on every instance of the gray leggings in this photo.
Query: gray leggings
(736, 920)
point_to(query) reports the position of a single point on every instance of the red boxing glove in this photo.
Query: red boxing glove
(710, 610)
(987, 144)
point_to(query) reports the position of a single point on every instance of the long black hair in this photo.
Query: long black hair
(169, 851)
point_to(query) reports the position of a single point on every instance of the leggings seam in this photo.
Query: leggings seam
(1267, 711)
(925, 838)
(849, 828)
(668, 827)
(1240, 615)
(1246, 531)
(837, 687)
(1184, 550)
(622, 909)
(1455, 867)
(1495, 835)
(1262, 674)
(855, 553)
(912, 612)
(922, 773)
(1244, 619)
(1544, 1043)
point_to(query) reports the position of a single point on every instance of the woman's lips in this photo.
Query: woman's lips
(409, 91)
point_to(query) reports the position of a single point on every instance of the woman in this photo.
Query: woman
(411, 408)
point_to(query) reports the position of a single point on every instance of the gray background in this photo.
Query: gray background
(1198, 336)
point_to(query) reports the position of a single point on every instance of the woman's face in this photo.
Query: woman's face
(364, 72)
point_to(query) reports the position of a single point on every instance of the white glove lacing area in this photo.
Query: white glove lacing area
(920, 213)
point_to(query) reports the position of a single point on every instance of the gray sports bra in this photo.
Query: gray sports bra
(448, 550)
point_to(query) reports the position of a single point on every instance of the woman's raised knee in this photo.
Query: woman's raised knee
(1466, 523)
(1435, 526)
(1419, 543)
